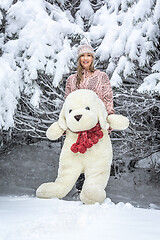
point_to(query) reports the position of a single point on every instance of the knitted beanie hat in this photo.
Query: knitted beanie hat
(85, 49)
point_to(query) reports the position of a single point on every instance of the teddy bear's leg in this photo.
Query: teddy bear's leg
(67, 176)
(94, 186)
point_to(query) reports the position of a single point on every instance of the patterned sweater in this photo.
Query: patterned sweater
(99, 83)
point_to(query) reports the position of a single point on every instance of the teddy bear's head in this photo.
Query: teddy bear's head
(82, 110)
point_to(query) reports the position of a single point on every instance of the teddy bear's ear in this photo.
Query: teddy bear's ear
(62, 120)
(102, 115)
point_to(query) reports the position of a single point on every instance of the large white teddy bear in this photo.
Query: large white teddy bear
(87, 147)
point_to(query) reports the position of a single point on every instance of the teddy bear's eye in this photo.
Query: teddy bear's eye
(70, 110)
(87, 108)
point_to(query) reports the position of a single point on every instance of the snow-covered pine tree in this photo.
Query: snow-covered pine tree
(38, 43)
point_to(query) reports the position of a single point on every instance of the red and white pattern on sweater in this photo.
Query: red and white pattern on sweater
(99, 83)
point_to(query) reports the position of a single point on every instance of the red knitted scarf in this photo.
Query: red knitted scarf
(86, 139)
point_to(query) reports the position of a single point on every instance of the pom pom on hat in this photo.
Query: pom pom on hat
(85, 49)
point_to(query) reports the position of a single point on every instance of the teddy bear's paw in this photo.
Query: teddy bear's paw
(51, 190)
(54, 131)
(46, 190)
(118, 122)
(91, 195)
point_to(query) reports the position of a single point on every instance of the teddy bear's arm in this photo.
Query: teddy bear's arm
(118, 122)
(54, 131)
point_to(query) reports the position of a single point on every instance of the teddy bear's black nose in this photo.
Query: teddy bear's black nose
(77, 117)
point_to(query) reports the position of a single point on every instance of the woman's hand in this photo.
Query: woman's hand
(110, 130)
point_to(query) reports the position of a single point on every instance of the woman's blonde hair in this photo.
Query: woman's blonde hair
(80, 70)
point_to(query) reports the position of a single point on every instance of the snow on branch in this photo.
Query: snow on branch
(127, 32)
(42, 36)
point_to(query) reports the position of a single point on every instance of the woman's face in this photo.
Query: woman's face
(86, 60)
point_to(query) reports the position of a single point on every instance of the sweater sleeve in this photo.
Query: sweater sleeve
(68, 87)
(107, 94)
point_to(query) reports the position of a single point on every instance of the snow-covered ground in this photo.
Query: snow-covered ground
(24, 217)
(29, 218)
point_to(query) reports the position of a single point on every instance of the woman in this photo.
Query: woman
(89, 78)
